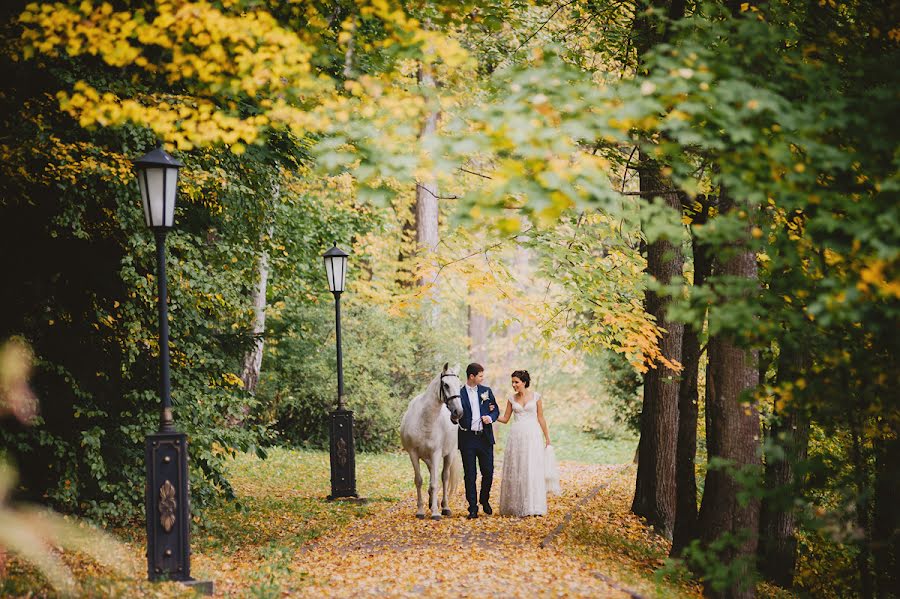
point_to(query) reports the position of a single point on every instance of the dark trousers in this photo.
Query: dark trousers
(478, 448)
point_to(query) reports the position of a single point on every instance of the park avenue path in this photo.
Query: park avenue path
(393, 554)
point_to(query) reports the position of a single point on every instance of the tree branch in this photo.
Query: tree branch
(627, 166)
(552, 318)
(473, 173)
(484, 250)
(434, 195)
(650, 193)
(544, 24)
(487, 259)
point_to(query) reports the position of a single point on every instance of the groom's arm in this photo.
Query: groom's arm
(495, 413)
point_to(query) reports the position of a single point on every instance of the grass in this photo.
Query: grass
(282, 499)
(571, 443)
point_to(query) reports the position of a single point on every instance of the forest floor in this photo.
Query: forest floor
(283, 538)
(598, 552)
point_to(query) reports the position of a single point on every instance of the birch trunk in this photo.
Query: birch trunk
(427, 189)
(478, 329)
(253, 358)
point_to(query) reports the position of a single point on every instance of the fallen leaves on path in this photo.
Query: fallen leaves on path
(391, 553)
(606, 536)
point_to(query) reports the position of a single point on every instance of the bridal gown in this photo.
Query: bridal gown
(523, 486)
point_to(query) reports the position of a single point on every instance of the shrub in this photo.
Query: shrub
(387, 361)
(623, 386)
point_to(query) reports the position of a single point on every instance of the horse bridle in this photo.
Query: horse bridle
(445, 398)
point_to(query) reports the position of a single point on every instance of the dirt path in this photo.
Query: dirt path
(393, 554)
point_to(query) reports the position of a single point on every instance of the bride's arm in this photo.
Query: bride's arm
(540, 416)
(506, 413)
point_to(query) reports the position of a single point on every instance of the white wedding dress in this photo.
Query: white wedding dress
(527, 464)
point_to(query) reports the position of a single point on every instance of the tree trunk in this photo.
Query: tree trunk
(654, 496)
(422, 222)
(406, 213)
(732, 435)
(863, 519)
(253, 358)
(886, 536)
(790, 431)
(688, 398)
(478, 329)
(427, 191)
(512, 357)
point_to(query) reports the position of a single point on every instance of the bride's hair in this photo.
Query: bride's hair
(523, 376)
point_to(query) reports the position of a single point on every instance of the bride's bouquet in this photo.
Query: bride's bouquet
(551, 471)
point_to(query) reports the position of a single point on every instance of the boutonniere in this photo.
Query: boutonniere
(484, 396)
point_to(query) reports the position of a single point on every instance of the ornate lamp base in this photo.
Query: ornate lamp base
(343, 455)
(168, 510)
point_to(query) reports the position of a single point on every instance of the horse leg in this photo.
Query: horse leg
(445, 484)
(433, 485)
(431, 475)
(420, 513)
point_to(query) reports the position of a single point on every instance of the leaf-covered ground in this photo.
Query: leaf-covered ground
(287, 540)
(394, 554)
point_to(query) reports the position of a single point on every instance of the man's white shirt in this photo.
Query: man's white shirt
(476, 424)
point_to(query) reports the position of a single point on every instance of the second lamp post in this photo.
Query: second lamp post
(341, 449)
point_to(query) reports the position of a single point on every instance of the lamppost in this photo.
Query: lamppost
(167, 494)
(343, 458)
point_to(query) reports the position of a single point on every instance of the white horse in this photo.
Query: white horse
(428, 433)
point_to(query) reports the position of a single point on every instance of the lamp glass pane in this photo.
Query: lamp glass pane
(142, 184)
(156, 195)
(171, 188)
(341, 274)
(329, 272)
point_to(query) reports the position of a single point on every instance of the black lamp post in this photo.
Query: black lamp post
(167, 493)
(343, 458)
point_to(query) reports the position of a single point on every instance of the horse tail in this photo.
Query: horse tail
(455, 472)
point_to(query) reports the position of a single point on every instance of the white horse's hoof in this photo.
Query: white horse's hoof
(436, 517)
(420, 516)
(446, 512)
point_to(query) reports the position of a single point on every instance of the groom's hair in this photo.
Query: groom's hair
(473, 369)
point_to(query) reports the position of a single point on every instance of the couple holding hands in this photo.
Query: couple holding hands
(529, 464)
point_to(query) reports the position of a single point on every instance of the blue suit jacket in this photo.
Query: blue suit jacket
(488, 407)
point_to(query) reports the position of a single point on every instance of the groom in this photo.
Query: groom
(476, 437)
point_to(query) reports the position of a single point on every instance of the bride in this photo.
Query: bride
(529, 466)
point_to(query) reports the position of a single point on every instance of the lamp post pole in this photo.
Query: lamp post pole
(340, 357)
(341, 447)
(167, 489)
(166, 422)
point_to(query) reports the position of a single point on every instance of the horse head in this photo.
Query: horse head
(450, 388)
